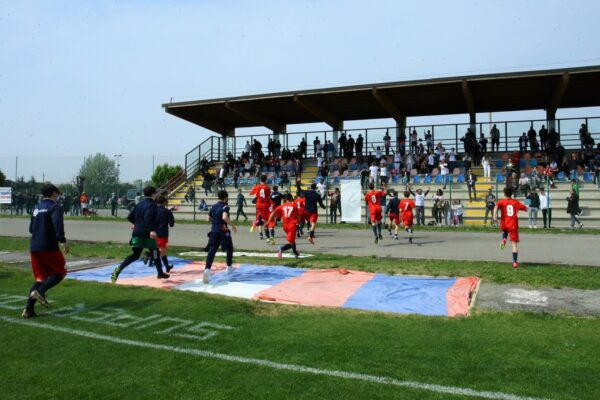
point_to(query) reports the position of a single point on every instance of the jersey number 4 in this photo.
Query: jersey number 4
(262, 193)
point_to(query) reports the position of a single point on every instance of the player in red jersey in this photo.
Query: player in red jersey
(300, 202)
(373, 199)
(263, 202)
(509, 221)
(406, 213)
(271, 224)
(288, 213)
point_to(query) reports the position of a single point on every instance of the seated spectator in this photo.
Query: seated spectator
(203, 206)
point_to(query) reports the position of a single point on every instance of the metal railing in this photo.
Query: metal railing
(449, 135)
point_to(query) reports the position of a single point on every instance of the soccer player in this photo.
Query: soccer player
(300, 202)
(263, 202)
(143, 236)
(312, 198)
(220, 235)
(406, 213)
(509, 221)
(164, 220)
(393, 209)
(271, 224)
(288, 213)
(373, 199)
(47, 262)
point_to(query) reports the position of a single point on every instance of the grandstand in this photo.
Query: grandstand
(470, 95)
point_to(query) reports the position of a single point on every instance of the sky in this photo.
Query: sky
(77, 78)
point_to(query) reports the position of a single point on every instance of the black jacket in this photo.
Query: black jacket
(46, 226)
(143, 218)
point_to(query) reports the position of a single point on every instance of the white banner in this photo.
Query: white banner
(351, 201)
(5, 195)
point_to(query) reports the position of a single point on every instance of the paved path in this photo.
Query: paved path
(539, 248)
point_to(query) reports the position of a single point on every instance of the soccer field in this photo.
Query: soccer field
(105, 341)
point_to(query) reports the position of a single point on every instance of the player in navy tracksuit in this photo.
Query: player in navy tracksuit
(47, 262)
(164, 220)
(143, 217)
(312, 198)
(219, 234)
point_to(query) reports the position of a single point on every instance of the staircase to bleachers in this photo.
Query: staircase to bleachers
(474, 211)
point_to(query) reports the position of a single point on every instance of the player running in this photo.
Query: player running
(393, 210)
(312, 199)
(509, 221)
(219, 235)
(288, 213)
(263, 202)
(373, 199)
(271, 224)
(406, 213)
(300, 202)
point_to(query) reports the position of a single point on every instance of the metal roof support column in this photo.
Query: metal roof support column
(281, 130)
(400, 127)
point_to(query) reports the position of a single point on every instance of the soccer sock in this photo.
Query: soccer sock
(31, 301)
(286, 246)
(49, 283)
(410, 231)
(374, 230)
(267, 233)
(379, 228)
(273, 233)
(312, 234)
(504, 235)
(158, 264)
(515, 255)
(165, 260)
(294, 249)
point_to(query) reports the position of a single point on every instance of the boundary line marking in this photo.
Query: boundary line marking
(275, 365)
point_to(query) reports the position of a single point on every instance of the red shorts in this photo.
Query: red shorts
(290, 232)
(311, 216)
(407, 220)
(263, 213)
(47, 263)
(375, 215)
(395, 218)
(162, 242)
(513, 234)
(272, 224)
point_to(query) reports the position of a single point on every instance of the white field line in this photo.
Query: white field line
(275, 365)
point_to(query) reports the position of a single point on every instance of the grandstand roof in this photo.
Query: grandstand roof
(514, 91)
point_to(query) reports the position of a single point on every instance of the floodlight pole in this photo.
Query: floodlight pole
(118, 157)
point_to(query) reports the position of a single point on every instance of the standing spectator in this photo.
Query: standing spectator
(543, 137)
(84, 200)
(285, 180)
(316, 147)
(364, 178)
(452, 160)
(373, 174)
(387, 143)
(544, 203)
(402, 143)
(359, 145)
(483, 144)
(445, 173)
(583, 132)
(325, 174)
(438, 207)
(534, 206)
(335, 205)
(490, 203)
(457, 213)
(383, 172)
(190, 195)
(303, 148)
(531, 136)
(428, 141)
(573, 208)
(342, 141)
(419, 204)
(240, 203)
(351, 144)
(471, 179)
(523, 143)
(413, 141)
(75, 206)
(487, 168)
(330, 151)
(113, 204)
(495, 135)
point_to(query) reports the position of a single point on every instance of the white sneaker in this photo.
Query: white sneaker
(206, 276)
(530, 227)
(229, 269)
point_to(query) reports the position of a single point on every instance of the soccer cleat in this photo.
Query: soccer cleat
(390, 233)
(279, 252)
(580, 226)
(162, 275)
(311, 240)
(503, 244)
(28, 314)
(115, 274)
(229, 269)
(396, 237)
(169, 268)
(380, 237)
(206, 276)
(376, 240)
(297, 234)
(146, 258)
(515, 264)
(253, 226)
(39, 297)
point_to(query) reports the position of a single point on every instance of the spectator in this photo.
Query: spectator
(524, 186)
(203, 206)
(444, 172)
(316, 147)
(325, 174)
(428, 141)
(330, 151)
(487, 168)
(359, 145)
(342, 141)
(350, 145)
(383, 172)
(523, 143)
(544, 206)
(543, 137)
(452, 160)
(483, 144)
(457, 213)
(495, 136)
(335, 205)
(467, 162)
(573, 208)
(419, 203)
(373, 174)
(364, 178)
(413, 141)
(471, 180)
(490, 203)
(84, 200)
(285, 180)
(387, 143)
(534, 206)
(402, 143)
(438, 207)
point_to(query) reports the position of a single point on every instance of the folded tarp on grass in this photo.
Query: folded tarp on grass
(331, 287)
